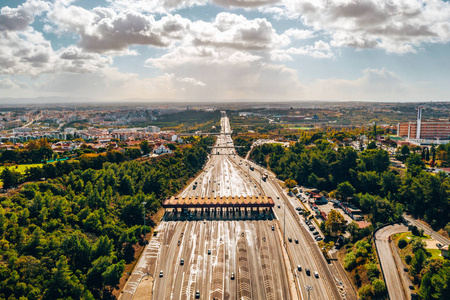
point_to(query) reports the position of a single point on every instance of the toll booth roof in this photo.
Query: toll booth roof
(206, 202)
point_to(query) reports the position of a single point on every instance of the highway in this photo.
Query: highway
(306, 253)
(395, 283)
(200, 256)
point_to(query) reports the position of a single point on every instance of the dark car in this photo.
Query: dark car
(308, 272)
(182, 262)
(296, 241)
(197, 295)
(315, 233)
(299, 268)
(290, 240)
(311, 228)
(319, 238)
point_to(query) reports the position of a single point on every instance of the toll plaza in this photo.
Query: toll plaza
(222, 208)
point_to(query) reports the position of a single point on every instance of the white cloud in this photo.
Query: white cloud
(102, 30)
(374, 84)
(18, 19)
(237, 32)
(320, 49)
(8, 84)
(394, 25)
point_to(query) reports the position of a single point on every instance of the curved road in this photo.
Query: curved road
(394, 282)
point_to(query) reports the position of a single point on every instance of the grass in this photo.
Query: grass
(18, 168)
(300, 128)
(435, 253)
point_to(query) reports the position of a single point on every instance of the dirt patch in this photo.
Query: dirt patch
(431, 244)
(144, 289)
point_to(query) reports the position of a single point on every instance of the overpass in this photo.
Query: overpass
(204, 133)
(218, 202)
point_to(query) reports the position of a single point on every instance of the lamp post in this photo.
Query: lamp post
(260, 175)
(284, 221)
(145, 231)
(308, 289)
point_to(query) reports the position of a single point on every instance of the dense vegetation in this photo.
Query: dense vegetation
(34, 152)
(366, 179)
(242, 141)
(70, 237)
(190, 121)
(429, 271)
(253, 123)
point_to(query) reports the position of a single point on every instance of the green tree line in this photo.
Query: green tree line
(70, 237)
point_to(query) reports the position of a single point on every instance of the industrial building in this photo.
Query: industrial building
(437, 129)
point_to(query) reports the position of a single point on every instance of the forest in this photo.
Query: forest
(70, 237)
(366, 179)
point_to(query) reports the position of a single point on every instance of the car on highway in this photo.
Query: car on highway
(299, 268)
(316, 274)
(197, 294)
(290, 240)
(315, 233)
(181, 262)
(209, 251)
(308, 272)
(232, 276)
(273, 228)
(279, 206)
(161, 274)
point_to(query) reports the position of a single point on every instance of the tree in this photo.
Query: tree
(145, 148)
(290, 183)
(379, 288)
(335, 223)
(417, 263)
(172, 147)
(372, 145)
(414, 164)
(350, 261)
(365, 292)
(10, 178)
(345, 190)
(63, 284)
(402, 243)
(111, 277)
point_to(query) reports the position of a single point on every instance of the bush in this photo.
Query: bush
(379, 288)
(415, 231)
(365, 292)
(402, 243)
(350, 261)
(408, 259)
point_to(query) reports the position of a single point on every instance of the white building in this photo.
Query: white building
(162, 149)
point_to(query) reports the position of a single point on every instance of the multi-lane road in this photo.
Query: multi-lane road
(226, 256)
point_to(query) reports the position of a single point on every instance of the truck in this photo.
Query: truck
(264, 177)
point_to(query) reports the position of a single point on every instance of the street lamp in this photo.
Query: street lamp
(308, 289)
(260, 174)
(145, 231)
(284, 226)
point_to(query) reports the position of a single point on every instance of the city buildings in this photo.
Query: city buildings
(423, 131)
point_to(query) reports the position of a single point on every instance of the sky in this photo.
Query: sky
(218, 50)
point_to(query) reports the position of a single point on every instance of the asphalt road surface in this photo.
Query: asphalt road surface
(248, 248)
(394, 283)
(427, 230)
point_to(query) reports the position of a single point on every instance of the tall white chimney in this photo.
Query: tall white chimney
(419, 122)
